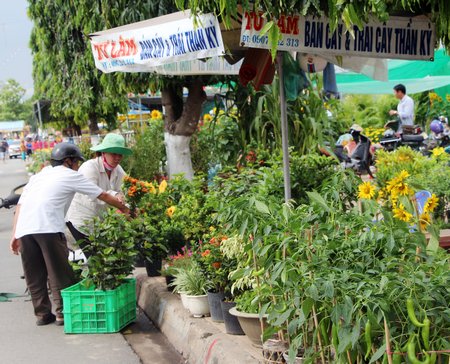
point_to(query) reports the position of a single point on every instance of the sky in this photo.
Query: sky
(15, 55)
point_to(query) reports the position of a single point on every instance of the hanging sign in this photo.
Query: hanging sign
(211, 66)
(154, 45)
(397, 38)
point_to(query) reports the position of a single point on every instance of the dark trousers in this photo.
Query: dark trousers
(81, 239)
(45, 258)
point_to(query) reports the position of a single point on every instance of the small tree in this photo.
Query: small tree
(12, 103)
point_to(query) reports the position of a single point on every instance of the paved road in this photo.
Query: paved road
(21, 341)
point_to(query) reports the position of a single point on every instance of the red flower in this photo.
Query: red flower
(216, 265)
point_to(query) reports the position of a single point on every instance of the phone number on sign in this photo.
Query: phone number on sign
(264, 39)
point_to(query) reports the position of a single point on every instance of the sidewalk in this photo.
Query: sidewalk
(199, 340)
(22, 342)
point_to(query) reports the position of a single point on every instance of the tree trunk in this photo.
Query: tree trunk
(93, 124)
(181, 122)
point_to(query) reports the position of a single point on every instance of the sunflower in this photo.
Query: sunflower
(156, 114)
(402, 189)
(431, 203)
(170, 211)
(207, 117)
(401, 213)
(438, 152)
(424, 221)
(402, 175)
(162, 186)
(366, 190)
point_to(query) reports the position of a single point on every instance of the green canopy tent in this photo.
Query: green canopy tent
(417, 76)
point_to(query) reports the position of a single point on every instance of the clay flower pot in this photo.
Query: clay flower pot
(250, 325)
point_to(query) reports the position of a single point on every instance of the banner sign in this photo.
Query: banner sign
(211, 66)
(397, 38)
(155, 45)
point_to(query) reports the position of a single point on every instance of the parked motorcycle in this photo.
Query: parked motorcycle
(360, 159)
(412, 136)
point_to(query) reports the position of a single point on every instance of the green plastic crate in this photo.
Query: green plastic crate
(90, 311)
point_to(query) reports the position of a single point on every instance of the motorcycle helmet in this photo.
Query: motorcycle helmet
(62, 151)
(436, 127)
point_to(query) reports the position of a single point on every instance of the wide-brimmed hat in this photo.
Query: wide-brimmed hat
(356, 127)
(113, 143)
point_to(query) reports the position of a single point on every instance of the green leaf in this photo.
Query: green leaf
(318, 199)
(378, 354)
(268, 26)
(262, 207)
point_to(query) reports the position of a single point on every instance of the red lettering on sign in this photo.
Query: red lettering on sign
(114, 49)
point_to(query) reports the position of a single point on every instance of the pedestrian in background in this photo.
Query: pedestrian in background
(405, 108)
(23, 150)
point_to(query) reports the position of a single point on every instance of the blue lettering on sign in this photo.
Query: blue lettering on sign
(333, 41)
(425, 42)
(177, 41)
(196, 40)
(211, 35)
(363, 39)
(313, 34)
(383, 37)
(406, 41)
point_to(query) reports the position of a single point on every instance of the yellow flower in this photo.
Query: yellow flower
(424, 221)
(207, 117)
(448, 97)
(431, 203)
(162, 186)
(170, 211)
(401, 214)
(402, 189)
(366, 190)
(156, 114)
(438, 151)
(403, 175)
(151, 188)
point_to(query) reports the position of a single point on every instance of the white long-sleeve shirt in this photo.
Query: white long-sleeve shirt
(83, 208)
(405, 110)
(46, 198)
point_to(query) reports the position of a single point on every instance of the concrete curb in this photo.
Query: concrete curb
(200, 341)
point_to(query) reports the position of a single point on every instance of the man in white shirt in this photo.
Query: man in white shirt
(39, 225)
(405, 108)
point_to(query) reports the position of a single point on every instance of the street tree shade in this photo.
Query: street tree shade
(64, 70)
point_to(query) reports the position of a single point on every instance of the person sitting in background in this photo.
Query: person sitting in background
(405, 108)
(105, 171)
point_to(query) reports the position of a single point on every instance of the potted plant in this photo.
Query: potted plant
(173, 262)
(247, 312)
(217, 269)
(192, 282)
(107, 294)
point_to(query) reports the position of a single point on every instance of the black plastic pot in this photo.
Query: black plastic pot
(154, 267)
(139, 261)
(232, 325)
(169, 280)
(215, 299)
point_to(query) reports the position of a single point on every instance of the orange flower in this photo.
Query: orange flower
(216, 265)
(206, 253)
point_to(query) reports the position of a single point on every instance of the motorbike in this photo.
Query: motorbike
(75, 256)
(13, 198)
(412, 136)
(361, 158)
